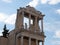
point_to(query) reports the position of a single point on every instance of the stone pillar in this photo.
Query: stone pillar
(42, 25)
(19, 20)
(36, 42)
(22, 19)
(21, 40)
(29, 41)
(36, 24)
(43, 43)
(29, 20)
(35, 21)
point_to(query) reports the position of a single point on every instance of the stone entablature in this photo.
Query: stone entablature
(31, 10)
(31, 35)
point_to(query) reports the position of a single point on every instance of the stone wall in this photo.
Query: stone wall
(3, 41)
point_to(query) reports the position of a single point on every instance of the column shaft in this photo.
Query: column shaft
(36, 42)
(36, 24)
(22, 19)
(42, 43)
(42, 25)
(29, 20)
(29, 41)
(35, 21)
(21, 40)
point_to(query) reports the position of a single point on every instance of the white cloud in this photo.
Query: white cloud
(33, 3)
(3, 16)
(7, 1)
(54, 2)
(44, 1)
(55, 42)
(51, 2)
(52, 26)
(57, 34)
(1, 32)
(58, 11)
(7, 19)
(11, 19)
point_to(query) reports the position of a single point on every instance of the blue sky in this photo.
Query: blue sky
(51, 9)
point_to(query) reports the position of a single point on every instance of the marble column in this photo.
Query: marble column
(42, 43)
(36, 25)
(29, 20)
(42, 25)
(29, 41)
(21, 40)
(22, 19)
(35, 21)
(36, 42)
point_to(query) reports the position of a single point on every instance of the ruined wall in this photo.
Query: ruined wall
(3, 41)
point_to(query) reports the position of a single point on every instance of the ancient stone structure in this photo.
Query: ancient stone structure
(32, 35)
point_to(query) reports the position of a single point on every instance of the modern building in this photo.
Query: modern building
(24, 34)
